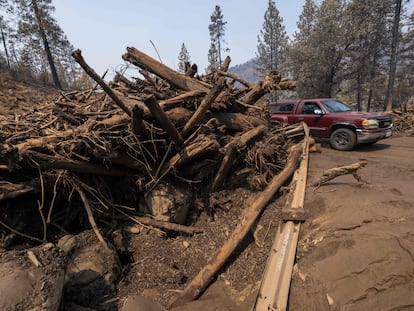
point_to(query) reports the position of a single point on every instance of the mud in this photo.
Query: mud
(357, 250)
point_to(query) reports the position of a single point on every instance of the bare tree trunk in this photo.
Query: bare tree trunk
(46, 45)
(393, 60)
(369, 100)
(3, 38)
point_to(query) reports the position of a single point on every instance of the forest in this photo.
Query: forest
(350, 49)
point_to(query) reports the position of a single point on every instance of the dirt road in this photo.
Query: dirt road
(356, 251)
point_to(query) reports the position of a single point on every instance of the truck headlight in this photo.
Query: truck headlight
(370, 124)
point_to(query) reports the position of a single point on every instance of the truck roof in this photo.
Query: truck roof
(294, 101)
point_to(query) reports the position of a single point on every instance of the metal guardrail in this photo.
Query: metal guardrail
(274, 290)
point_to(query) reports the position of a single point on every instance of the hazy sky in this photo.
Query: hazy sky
(102, 29)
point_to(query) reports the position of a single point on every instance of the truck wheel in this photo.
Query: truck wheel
(343, 139)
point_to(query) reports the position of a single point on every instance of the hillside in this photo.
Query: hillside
(245, 71)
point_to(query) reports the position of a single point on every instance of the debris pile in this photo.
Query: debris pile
(155, 150)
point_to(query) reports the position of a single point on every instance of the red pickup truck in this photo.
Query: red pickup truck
(331, 118)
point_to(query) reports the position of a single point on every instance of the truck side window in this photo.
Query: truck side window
(309, 108)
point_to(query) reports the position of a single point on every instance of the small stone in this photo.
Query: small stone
(186, 244)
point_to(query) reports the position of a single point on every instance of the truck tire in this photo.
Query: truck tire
(343, 139)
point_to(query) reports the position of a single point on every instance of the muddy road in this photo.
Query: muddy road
(356, 251)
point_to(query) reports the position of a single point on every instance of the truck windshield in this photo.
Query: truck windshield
(335, 106)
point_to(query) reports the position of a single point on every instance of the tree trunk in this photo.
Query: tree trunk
(3, 38)
(393, 60)
(46, 45)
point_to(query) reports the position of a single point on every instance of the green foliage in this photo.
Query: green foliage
(26, 37)
(343, 48)
(272, 42)
(217, 29)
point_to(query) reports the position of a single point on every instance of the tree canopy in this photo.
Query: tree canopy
(35, 46)
(217, 30)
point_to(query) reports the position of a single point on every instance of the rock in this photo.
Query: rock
(32, 279)
(91, 272)
(169, 202)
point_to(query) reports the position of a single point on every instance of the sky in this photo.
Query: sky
(103, 29)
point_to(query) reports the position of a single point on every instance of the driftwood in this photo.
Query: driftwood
(238, 121)
(202, 146)
(206, 274)
(204, 106)
(163, 120)
(136, 57)
(339, 171)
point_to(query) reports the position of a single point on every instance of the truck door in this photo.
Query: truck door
(311, 116)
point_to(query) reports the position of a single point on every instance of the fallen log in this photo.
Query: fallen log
(202, 146)
(204, 106)
(238, 121)
(164, 121)
(206, 274)
(234, 147)
(181, 81)
(339, 171)
(51, 162)
(273, 81)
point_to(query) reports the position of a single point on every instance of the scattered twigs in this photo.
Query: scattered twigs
(342, 170)
(11, 191)
(40, 205)
(250, 213)
(52, 203)
(90, 216)
(168, 226)
(20, 233)
(78, 57)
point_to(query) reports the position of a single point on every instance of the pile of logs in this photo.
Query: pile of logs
(137, 148)
(403, 122)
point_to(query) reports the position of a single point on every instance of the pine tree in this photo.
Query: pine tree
(41, 43)
(404, 87)
(272, 42)
(301, 54)
(393, 56)
(217, 30)
(3, 34)
(183, 58)
(367, 27)
(39, 15)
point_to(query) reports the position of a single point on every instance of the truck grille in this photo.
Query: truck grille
(384, 122)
